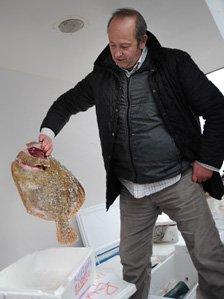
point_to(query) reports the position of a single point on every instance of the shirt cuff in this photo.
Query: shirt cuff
(48, 132)
(208, 166)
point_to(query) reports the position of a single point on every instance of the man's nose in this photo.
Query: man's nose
(117, 53)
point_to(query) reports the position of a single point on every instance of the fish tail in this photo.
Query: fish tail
(66, 235)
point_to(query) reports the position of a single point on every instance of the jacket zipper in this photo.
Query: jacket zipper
(129, 128)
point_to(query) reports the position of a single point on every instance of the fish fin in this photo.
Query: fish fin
(65, 233)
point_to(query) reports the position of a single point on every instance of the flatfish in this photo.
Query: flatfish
(48, 190)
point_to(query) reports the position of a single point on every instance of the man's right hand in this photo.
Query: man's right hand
(46, 143)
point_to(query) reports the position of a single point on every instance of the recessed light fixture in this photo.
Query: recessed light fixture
(71, 25)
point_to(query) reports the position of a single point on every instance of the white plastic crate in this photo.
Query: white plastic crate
(61, 273)
(101, 230)
(177, 267)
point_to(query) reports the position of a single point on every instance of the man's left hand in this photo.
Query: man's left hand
(200, 174)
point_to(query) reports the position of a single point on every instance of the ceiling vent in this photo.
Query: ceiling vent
(71, 25)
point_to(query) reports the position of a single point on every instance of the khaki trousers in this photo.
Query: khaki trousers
(186, 204)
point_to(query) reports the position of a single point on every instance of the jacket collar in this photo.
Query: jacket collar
(154, 51)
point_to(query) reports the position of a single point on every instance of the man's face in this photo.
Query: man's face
(124, 48)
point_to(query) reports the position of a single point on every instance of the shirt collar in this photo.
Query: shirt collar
(138, 64)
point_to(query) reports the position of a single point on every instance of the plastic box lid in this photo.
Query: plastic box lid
(100, 229)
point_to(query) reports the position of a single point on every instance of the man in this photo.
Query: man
(148, 99)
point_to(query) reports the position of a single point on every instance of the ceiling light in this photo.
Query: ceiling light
(71, 25)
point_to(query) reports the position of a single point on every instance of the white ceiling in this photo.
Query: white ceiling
(32, 43)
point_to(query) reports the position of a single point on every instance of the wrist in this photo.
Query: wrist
(48, 132)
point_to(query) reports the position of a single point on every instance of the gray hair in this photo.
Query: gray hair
(140, 25)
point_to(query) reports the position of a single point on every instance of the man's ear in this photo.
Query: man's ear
(143, 41)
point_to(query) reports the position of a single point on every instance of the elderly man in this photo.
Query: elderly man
(148, 99)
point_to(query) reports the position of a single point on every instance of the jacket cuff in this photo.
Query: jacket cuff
(208, 166)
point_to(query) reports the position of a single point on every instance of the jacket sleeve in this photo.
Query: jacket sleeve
(77, 99)
(205, 100)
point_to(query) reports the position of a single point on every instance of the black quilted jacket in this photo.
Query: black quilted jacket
(182, 93)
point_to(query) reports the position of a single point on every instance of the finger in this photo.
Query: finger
(46, 143)
(206, 178)
(194, 178)
(43, 143)
(48, 148)
(41, 137)
(45, 148)
(49, 152)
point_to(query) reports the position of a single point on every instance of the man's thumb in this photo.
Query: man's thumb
(194, 178)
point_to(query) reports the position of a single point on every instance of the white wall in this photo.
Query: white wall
(24, 100)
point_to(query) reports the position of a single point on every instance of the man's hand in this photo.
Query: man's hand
(200, 174)
(46, 143)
